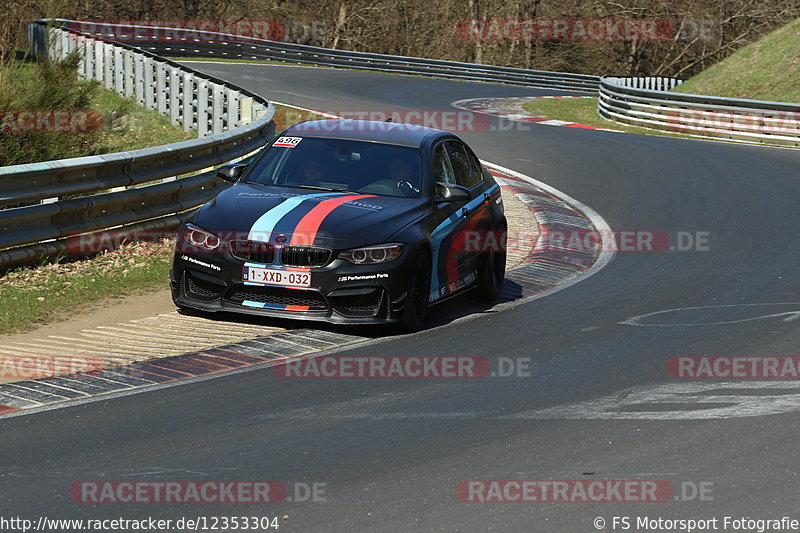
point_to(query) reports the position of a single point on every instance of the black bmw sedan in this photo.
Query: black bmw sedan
(348, 222)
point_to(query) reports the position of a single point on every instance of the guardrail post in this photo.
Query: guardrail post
(188, 101)
(138, 79)
(51, 45)
(174, 96)
(67, 44)
(234, 98)
(54, 46)
(127, 73)
(259, 110)
(149, 84)
(246, 110)
(108, 64)
(202, 108)
(81, 47)
(119, 71)
(162, 101)
(88, 54)
(99, 67)
(217, 107)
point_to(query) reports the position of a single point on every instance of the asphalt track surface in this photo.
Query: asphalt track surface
(391, 452)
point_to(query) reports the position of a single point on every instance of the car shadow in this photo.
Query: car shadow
(454, 308)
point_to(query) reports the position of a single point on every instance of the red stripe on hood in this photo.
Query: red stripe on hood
(306, 230)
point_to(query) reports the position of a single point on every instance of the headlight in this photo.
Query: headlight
(372, 255)
(201, 239)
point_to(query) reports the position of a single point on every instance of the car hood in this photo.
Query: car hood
(306, 217)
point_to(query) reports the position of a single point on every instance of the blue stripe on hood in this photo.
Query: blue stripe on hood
(263, 227)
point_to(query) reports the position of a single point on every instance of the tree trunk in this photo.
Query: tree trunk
(475, 12)
(340, 22)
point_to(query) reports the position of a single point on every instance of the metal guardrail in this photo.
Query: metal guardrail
(234, 122)
(196, 101)
(645, 102)
(196, 43)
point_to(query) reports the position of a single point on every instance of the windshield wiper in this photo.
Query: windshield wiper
(312, 187)
(318, 188)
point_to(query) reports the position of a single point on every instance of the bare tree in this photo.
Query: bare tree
(705, 31)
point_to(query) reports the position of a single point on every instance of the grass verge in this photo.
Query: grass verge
(288, 116)
(584, 111)
(56, 291)
(764, 70)
(129, 126)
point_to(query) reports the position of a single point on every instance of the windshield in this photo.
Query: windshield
(339, 164)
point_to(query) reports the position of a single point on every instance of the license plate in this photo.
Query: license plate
(278, 278)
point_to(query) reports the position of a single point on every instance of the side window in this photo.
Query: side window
(442, 170)
(466, 168)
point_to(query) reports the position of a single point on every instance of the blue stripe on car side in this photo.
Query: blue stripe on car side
(442, 231)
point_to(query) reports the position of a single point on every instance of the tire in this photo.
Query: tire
(413, 316)
(491, 273)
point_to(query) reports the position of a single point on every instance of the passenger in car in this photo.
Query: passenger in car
(312, 172)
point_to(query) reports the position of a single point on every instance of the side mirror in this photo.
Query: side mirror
(450, 192)
(231, 172)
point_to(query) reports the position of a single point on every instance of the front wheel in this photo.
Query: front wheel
(412, 318)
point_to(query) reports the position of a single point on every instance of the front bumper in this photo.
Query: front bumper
(340, 293)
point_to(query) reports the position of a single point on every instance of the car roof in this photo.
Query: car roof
(410, 135)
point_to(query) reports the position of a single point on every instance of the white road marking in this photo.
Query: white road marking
(692, 400)
(787, 316)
